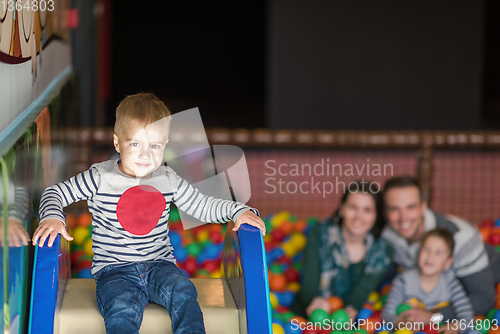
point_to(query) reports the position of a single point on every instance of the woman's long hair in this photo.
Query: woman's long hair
(363, 187)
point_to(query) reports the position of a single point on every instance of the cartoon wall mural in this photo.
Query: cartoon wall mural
(34, 50)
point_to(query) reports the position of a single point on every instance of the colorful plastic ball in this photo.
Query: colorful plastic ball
(494, 238)
(378, 305)
(319, 315)
(203, 235)
(180, 253)
(211, 265)
(364, 313)
(87, 247)
(85, 273)
(71, 220)
(274, 300)
(402, 308)
(278, 329)
(293, 286)
(216, 274)
(201, 273)
(175, 239)
(285, 298)
(496, 316)
(193, 249)
(84, 219)
(403, 331)
(340, 316)
(497, 223)
(75, 255)
(491, 313)
(190, 265)
(336, 303)
(278, 235)
(80, 234)
(300, 226)
(276, 269)
(216, 236)
(386, 288)
(383, 299)
(373, 297)
(292, 328)
(286, 227)
(277, 282)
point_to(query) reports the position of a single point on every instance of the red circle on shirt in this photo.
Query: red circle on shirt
(139, 209)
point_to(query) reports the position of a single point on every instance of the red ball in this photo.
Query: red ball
(284, 260)
(278, 234)
(211, 265)
(85, 264)
(292, 275)
(487, 223)
(75, 255)
(270, 245)
(190, 265)
(216, 237)
(494, 238)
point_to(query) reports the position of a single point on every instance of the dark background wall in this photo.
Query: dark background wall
(319, 64)
(362, 64)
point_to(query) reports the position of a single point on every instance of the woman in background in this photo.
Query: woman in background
(345, 256)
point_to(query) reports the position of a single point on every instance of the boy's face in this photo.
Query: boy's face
(434, 257)
(141, 149)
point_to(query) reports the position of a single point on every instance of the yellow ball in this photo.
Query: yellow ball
(87, 247)
(293, 286)
(378, 306)
(277, 329)
(80, 234)
(279, 218)
(274, 300)
(299, 241)
(216, 274)
(403, 331)
(373, 297)
(289, 249)
(202, 235)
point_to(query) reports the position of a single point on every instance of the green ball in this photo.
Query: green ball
(204, 244)
(402, 308)
(276, 269)
(360, 331)
(383, 299)
(340, 316)
(497, 248)
(174, 215)
(193, 249)
(483, 329)
(318, 315)
(287, 316)
(491, 314)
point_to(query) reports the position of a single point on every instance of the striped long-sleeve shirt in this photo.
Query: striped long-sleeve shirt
(406, 287)
(130, 215)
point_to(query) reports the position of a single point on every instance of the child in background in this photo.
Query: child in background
(130, 200)
(430, 287)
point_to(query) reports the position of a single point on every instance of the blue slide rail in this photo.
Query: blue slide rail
(51, 268)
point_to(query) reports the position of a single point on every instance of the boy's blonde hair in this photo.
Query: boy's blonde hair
(142, 109)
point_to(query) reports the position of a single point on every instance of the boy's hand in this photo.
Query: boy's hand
(16, 233)
(50, 228)
(318, 303)
(250, 218)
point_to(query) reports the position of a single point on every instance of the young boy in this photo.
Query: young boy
(430, 287)
(130, 200)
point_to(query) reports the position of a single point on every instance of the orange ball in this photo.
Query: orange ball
(335, 303)
(479, 317)
(286, 227)
(494, 331)
(498, 289)
(485, 233)
(84, 219)
(369, 326)
(70, 220)
(300, 225)
(497, 305)
(298, 320)
(277, 282)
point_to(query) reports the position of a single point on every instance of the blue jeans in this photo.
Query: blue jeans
(123, 291)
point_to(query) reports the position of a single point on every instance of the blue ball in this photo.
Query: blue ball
(274, 255)
(497, 223)
(497, 315)
(175, 239)
(285, 298)
(180, 253)
(292, 328)
(364, 313)
(84, 273)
